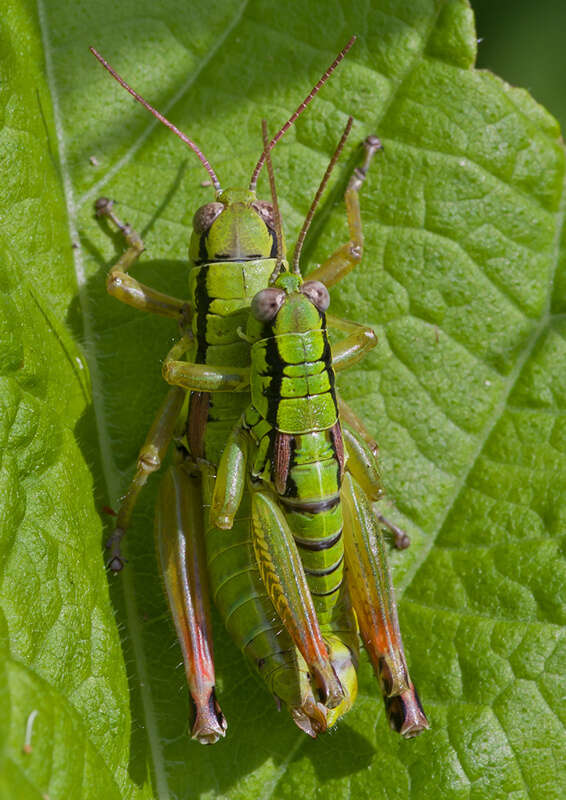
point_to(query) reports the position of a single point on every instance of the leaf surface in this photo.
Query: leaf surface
(64, 687)
(463, 279)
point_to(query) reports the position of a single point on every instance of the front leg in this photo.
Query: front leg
(127, 289)
(349, 255)
(354, 346)
(202, 377)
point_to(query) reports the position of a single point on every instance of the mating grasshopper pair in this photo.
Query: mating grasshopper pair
(289, 476)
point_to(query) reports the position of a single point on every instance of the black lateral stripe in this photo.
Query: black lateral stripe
(320, 573)
(228, 257)
(202, 249)
(326, 352)
(327, 594)
(202, 306)
(337, 444)
(273, 235)
(327, 358)
(291, 488)
(320, 544)
(275, 365)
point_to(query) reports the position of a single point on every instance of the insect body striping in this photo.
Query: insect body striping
(293, 391)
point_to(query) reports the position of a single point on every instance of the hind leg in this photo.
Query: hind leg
(179, 537)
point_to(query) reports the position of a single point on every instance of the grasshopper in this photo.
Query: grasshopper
(233, 248)
(289, 452)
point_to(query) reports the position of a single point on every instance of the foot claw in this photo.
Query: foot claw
(103, 206)
(405, 713)
(116, 562)
(401, 538)
(210, 724)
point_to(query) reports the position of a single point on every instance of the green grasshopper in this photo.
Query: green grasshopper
(233, 244)
(289, 451)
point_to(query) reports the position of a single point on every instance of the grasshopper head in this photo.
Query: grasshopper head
(235, 227)
(289, 306)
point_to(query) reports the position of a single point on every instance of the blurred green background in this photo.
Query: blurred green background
(523, 42)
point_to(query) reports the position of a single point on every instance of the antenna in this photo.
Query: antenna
(276, 212)
(324, 181)
(161, 118)
(316, 88)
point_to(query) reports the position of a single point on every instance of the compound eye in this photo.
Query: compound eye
(267, 303)
(317, 294)
(205, 216)
(265, 211)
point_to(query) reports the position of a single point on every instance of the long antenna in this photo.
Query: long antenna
(161, 118)
(276, 212)
(324, 181)
(316, 88)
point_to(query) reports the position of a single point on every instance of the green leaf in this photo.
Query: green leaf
(463, 279)
(62, 667)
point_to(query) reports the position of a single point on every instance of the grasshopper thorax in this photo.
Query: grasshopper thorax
(235, 227)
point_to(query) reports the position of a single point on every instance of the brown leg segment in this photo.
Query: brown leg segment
(150, 459)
